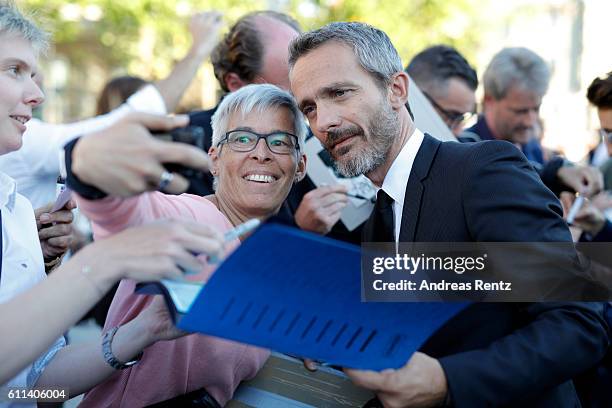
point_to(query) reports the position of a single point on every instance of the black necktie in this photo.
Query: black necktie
(383, 226)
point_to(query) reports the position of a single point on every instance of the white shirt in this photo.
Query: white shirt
(396, 179)
(36, 165)
(600, 155)
(22, 265)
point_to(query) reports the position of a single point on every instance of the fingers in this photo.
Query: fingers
(366, 378)
(310, 365)
(566, 199)
(44, 209)
(158, 267)
(177, 185)
(187, 155)
(185, 260)
(61, 243)
(62, 216)
(70, 205)
(208, 16)
(594, 181)
(57, 230)
(336, 188)
(158, 122)
(202, 239)
(326, 196)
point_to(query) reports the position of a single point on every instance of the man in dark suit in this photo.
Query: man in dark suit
(348, 80)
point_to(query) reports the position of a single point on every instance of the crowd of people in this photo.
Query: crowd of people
(345, 85)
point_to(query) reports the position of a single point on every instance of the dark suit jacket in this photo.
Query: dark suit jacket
(496, 354)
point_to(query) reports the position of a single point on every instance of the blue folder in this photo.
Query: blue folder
(299, 293)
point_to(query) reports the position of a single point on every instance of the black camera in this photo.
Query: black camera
(192, 135)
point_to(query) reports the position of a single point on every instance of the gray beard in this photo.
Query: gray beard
(383, 131)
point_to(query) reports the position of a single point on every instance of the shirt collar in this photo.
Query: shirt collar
(482, 129)
(395, 181)
(8, 192)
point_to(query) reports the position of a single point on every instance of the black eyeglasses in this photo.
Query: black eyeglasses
(245, 141)
(450, 117)
(606, 134)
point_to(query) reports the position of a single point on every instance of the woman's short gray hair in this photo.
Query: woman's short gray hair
(373, 48)
(258, 98)
(12, 21)
(519, 67)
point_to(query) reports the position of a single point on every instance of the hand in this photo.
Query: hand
(589, 218)
(205, 28)
(310, 365)
(321, 208)
(151, 252)
(585, 180)
(420, 383)
(54, 229)
(603, 200)
(125, 160)
(157, 322)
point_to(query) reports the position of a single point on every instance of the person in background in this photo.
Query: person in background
(34, 309)
(36, 165)
(600, 95)
(515, 82)
(117, 91)
(448, 81)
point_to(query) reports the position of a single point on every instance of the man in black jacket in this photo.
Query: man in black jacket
(348, 80)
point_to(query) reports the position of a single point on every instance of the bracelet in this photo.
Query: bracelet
(108, 355)
(53, 263)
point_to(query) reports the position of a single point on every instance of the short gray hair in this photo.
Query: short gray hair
(373, 48)
(12, 21)
(516, 67)
(257, 97)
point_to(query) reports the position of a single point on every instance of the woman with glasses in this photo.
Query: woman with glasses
(257, 155)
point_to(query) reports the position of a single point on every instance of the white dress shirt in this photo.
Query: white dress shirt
(396, 179)
(36, 166)
(22, 267)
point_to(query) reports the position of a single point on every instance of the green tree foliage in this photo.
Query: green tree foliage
(411, 24)
(147, 35)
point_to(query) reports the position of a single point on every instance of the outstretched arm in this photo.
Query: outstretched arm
(204, 28)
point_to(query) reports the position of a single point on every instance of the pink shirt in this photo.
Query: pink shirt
(167, 368)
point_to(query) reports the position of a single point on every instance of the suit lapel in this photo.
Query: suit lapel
(415, 188)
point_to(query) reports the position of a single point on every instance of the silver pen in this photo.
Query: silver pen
(237, 232)
(229, 236)
(241, 229)
(573, 211)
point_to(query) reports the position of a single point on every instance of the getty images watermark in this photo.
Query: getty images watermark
(412, 264)
(486, 272)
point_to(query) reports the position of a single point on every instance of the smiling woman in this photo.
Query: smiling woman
(257, 155)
